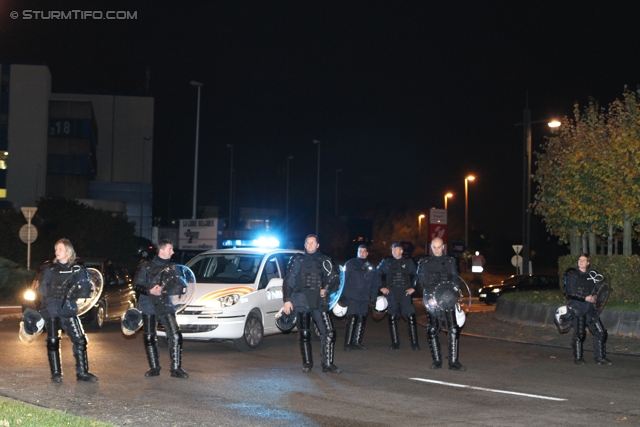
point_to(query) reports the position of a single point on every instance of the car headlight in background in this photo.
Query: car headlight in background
(496, 291)
(30, 295)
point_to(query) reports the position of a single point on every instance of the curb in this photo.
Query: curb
(625, 323)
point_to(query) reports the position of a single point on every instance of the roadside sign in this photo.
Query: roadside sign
(28, 212)
(517, 248)
(516, 261)
(28, 233)
(457, 247)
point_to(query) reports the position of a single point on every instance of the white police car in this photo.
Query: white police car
(238, 293)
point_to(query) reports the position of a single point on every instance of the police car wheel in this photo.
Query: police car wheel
(100, 316)
(253, 334)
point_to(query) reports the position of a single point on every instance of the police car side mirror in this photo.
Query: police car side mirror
(273, 283)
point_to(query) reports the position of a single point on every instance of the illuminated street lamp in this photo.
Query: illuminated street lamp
(420, 217)
(466, 209)
(526, 184)
(447, 196)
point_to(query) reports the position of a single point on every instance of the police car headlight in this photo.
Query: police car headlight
(496, 291)
(30, 295)
(228, 300)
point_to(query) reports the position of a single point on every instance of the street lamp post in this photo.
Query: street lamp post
(420, 217)
(337, 170)
(466, 209)
(144, 149)
(315, 141)
(195, 169)
(231, 188)
(447, 196)
(286, 208)
(526, 184)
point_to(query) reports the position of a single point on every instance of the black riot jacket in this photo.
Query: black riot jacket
(306, 275)
(362, 281)
(399, 272)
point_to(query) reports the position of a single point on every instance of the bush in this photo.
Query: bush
(622, 273)
(13, 279)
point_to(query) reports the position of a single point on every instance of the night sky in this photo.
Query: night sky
(407, 98)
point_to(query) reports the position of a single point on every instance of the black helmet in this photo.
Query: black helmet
(563, 319)
(285, 322)
(31, 326)
(131, 321)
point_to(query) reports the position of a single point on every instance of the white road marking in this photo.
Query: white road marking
(535, 396)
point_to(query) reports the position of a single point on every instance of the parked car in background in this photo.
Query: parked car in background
(117, 293)
(533, 282)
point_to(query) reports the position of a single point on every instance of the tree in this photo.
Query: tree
(589, 173)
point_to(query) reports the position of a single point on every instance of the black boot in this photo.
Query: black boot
(150, 344)
(600, 344)
(577, 352)
(76, 335)
(393, 328)
(453, 336)
(304, 327)
(434, 347)
(330, 340)
(350, 331)
(412, 325)
(175, 345)
(53, 349)
(357, 339)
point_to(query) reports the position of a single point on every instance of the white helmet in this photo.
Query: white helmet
(460, 315)
(381, 304)
(563, 320)
(339, 310)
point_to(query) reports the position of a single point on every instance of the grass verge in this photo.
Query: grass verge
(557, 298)
(20, 414)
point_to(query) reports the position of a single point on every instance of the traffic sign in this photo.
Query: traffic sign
(457, 248)
(28, 212)
(517, 248)
(28, 233)
(516, 261)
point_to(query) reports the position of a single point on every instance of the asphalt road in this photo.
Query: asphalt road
(506, 384)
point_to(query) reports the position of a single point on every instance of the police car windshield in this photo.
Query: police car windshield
(226, 268)
(512, 280)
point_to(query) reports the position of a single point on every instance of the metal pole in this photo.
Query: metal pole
(466, 212)
(337, 170)
(526, 189)
(144, 146)
(231, 189)
(195, 168)
(315, 141)
(286, 221)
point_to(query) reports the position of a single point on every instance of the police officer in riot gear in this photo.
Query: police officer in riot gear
(310, 278)
(361, 284)
(580, 286)
(399, 272)
(156, 306)
(61, 282)
(434, 271)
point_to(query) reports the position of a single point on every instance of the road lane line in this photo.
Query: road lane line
(535, 396)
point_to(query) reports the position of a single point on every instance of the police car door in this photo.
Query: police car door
(270, 284)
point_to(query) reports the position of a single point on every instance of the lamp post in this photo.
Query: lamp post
(337, 170)
(466, 209)
(286, 206)
(231, 188)
(526, 184)
(420, 217)
(315, 141)
(447, 196)
(195, 168)
(144, 149)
